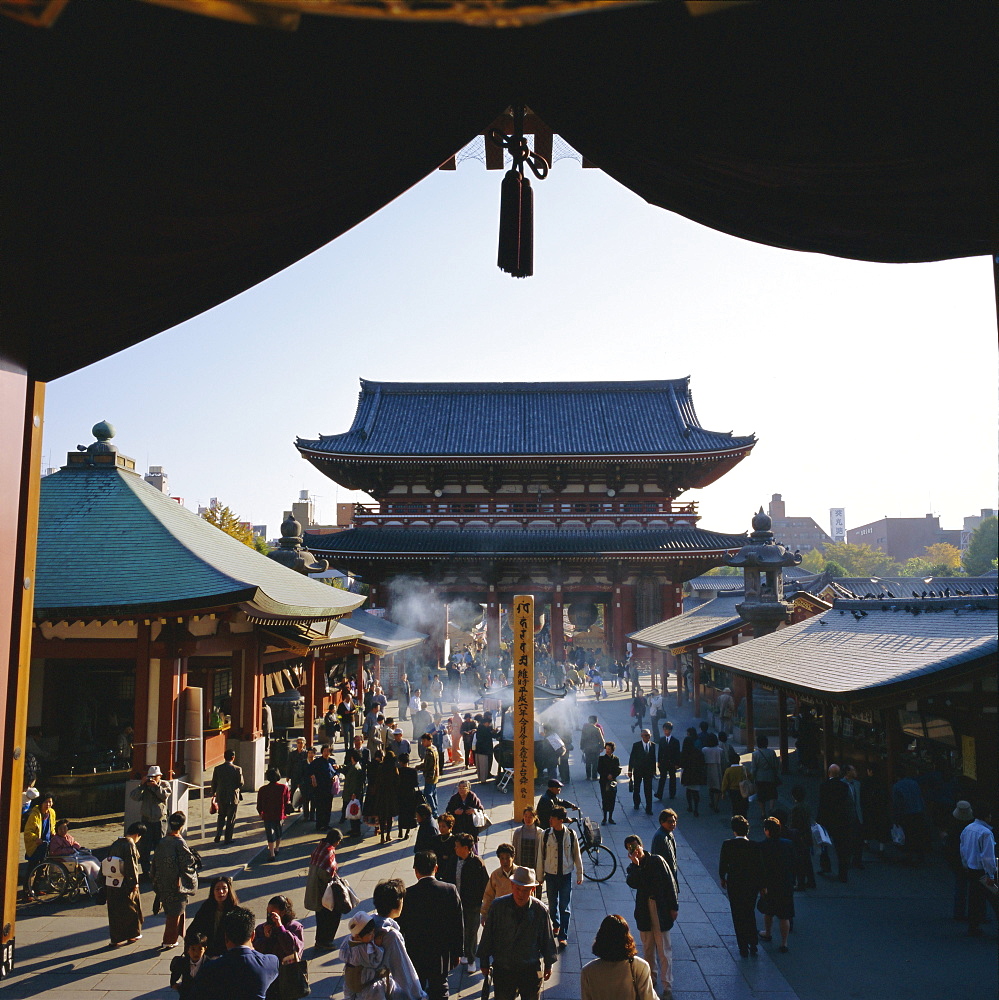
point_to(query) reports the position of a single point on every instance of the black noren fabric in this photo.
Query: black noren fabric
(156, 163)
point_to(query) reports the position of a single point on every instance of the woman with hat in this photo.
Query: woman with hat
(152, 795)
(175, 877)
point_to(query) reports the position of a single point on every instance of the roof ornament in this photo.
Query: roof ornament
(103, 431)
(290, 552)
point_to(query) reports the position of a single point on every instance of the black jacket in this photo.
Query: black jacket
(669, 752)
(432, 926)
(741, 867)
(642, 761)
(652, 879)
(474, 879)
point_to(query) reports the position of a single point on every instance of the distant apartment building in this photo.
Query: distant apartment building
(903, 537)
(800, 534)
(157, 478)
(971, 523)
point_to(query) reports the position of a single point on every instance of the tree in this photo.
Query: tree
(861, 560)
(917, 566)
(724, 571)
(814, 561)
(228, 521)
(943, 554)
(980, 555)
(260, 544)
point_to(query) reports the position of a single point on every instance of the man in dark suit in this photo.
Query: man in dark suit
(432, 925)
(669, 761)
(242, 973)
(642, 769)
(227, 783)
(741, 873)
(838, 815)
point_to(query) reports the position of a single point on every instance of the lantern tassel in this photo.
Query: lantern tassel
(526, 261)
(508, 257)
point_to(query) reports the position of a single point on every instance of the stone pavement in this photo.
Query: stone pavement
(853, 941)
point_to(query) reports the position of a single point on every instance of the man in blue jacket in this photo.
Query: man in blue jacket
(241, 973)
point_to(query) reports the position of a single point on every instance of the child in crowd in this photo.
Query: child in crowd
(365, 976)
(185, 968)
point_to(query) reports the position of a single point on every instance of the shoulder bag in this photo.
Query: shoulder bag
(113, 870)
(293, 980)
(634, 981)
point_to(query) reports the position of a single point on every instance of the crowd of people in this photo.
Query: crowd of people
(490, 918)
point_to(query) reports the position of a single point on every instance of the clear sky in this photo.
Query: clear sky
(870, 386)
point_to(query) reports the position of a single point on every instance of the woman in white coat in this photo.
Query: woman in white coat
(617, 971)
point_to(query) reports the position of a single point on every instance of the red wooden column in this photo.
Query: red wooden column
(671, 602)
(142, 755)
(492, 625)
(785, 763)
(311, 667)
(629, 617)
(750, 724)
(616, 637)
(359, 678)
(166, 713)
(252, 702)
(828, 751)
(557, 625)
(696, 693)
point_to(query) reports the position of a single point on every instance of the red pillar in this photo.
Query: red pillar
(252, 694)
(616, 638)
(696, 693)
(785, 763)
(359, 679)
(557, 626)
(629, 617)
(143, 755)
(492, 626)
(827, 734)
(310, 698)
(166, 730)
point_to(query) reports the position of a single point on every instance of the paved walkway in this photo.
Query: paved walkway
(853, 941)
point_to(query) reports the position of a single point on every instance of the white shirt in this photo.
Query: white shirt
(978, 848)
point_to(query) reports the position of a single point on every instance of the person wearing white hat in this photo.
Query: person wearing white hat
(152, 795)
(517, 944)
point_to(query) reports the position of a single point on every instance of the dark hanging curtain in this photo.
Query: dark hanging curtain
(156, 163)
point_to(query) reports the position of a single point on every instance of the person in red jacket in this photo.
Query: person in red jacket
(273, 803)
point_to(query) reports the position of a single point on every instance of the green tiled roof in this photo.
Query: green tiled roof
(109, 544)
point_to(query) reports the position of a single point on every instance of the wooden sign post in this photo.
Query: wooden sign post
(523, 704)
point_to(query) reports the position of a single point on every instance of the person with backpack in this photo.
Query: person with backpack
(558, 855)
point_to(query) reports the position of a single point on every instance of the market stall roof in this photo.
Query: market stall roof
(710, 620)
(382, 635)
(111, 546)
(158, 163)
(857, 652)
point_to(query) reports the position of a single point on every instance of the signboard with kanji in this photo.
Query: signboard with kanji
(522, 622)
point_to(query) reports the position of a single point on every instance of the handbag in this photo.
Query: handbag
(820, 836)
(485, 985)
(898, 836)
(480, 820)
(293, 980)
(339, 896)
(746, 788)
(214, 807)
(634, 981)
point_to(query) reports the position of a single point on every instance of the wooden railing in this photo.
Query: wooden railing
(523, 510)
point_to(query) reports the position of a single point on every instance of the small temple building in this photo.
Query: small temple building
(569, 491)
(149, 617)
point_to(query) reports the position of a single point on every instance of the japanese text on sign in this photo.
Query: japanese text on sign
(523, 704)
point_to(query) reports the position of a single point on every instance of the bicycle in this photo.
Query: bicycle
(599, 862)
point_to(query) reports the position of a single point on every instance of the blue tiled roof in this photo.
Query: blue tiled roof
(108, 543)
(518, 541)
(841, 656)
(711, 619)
(524, 419)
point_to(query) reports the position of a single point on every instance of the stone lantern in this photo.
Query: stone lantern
(763, 560)
(290, 552)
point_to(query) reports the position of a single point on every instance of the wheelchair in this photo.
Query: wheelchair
(60, 877)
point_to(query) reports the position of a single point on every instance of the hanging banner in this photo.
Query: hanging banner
(523, 704)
